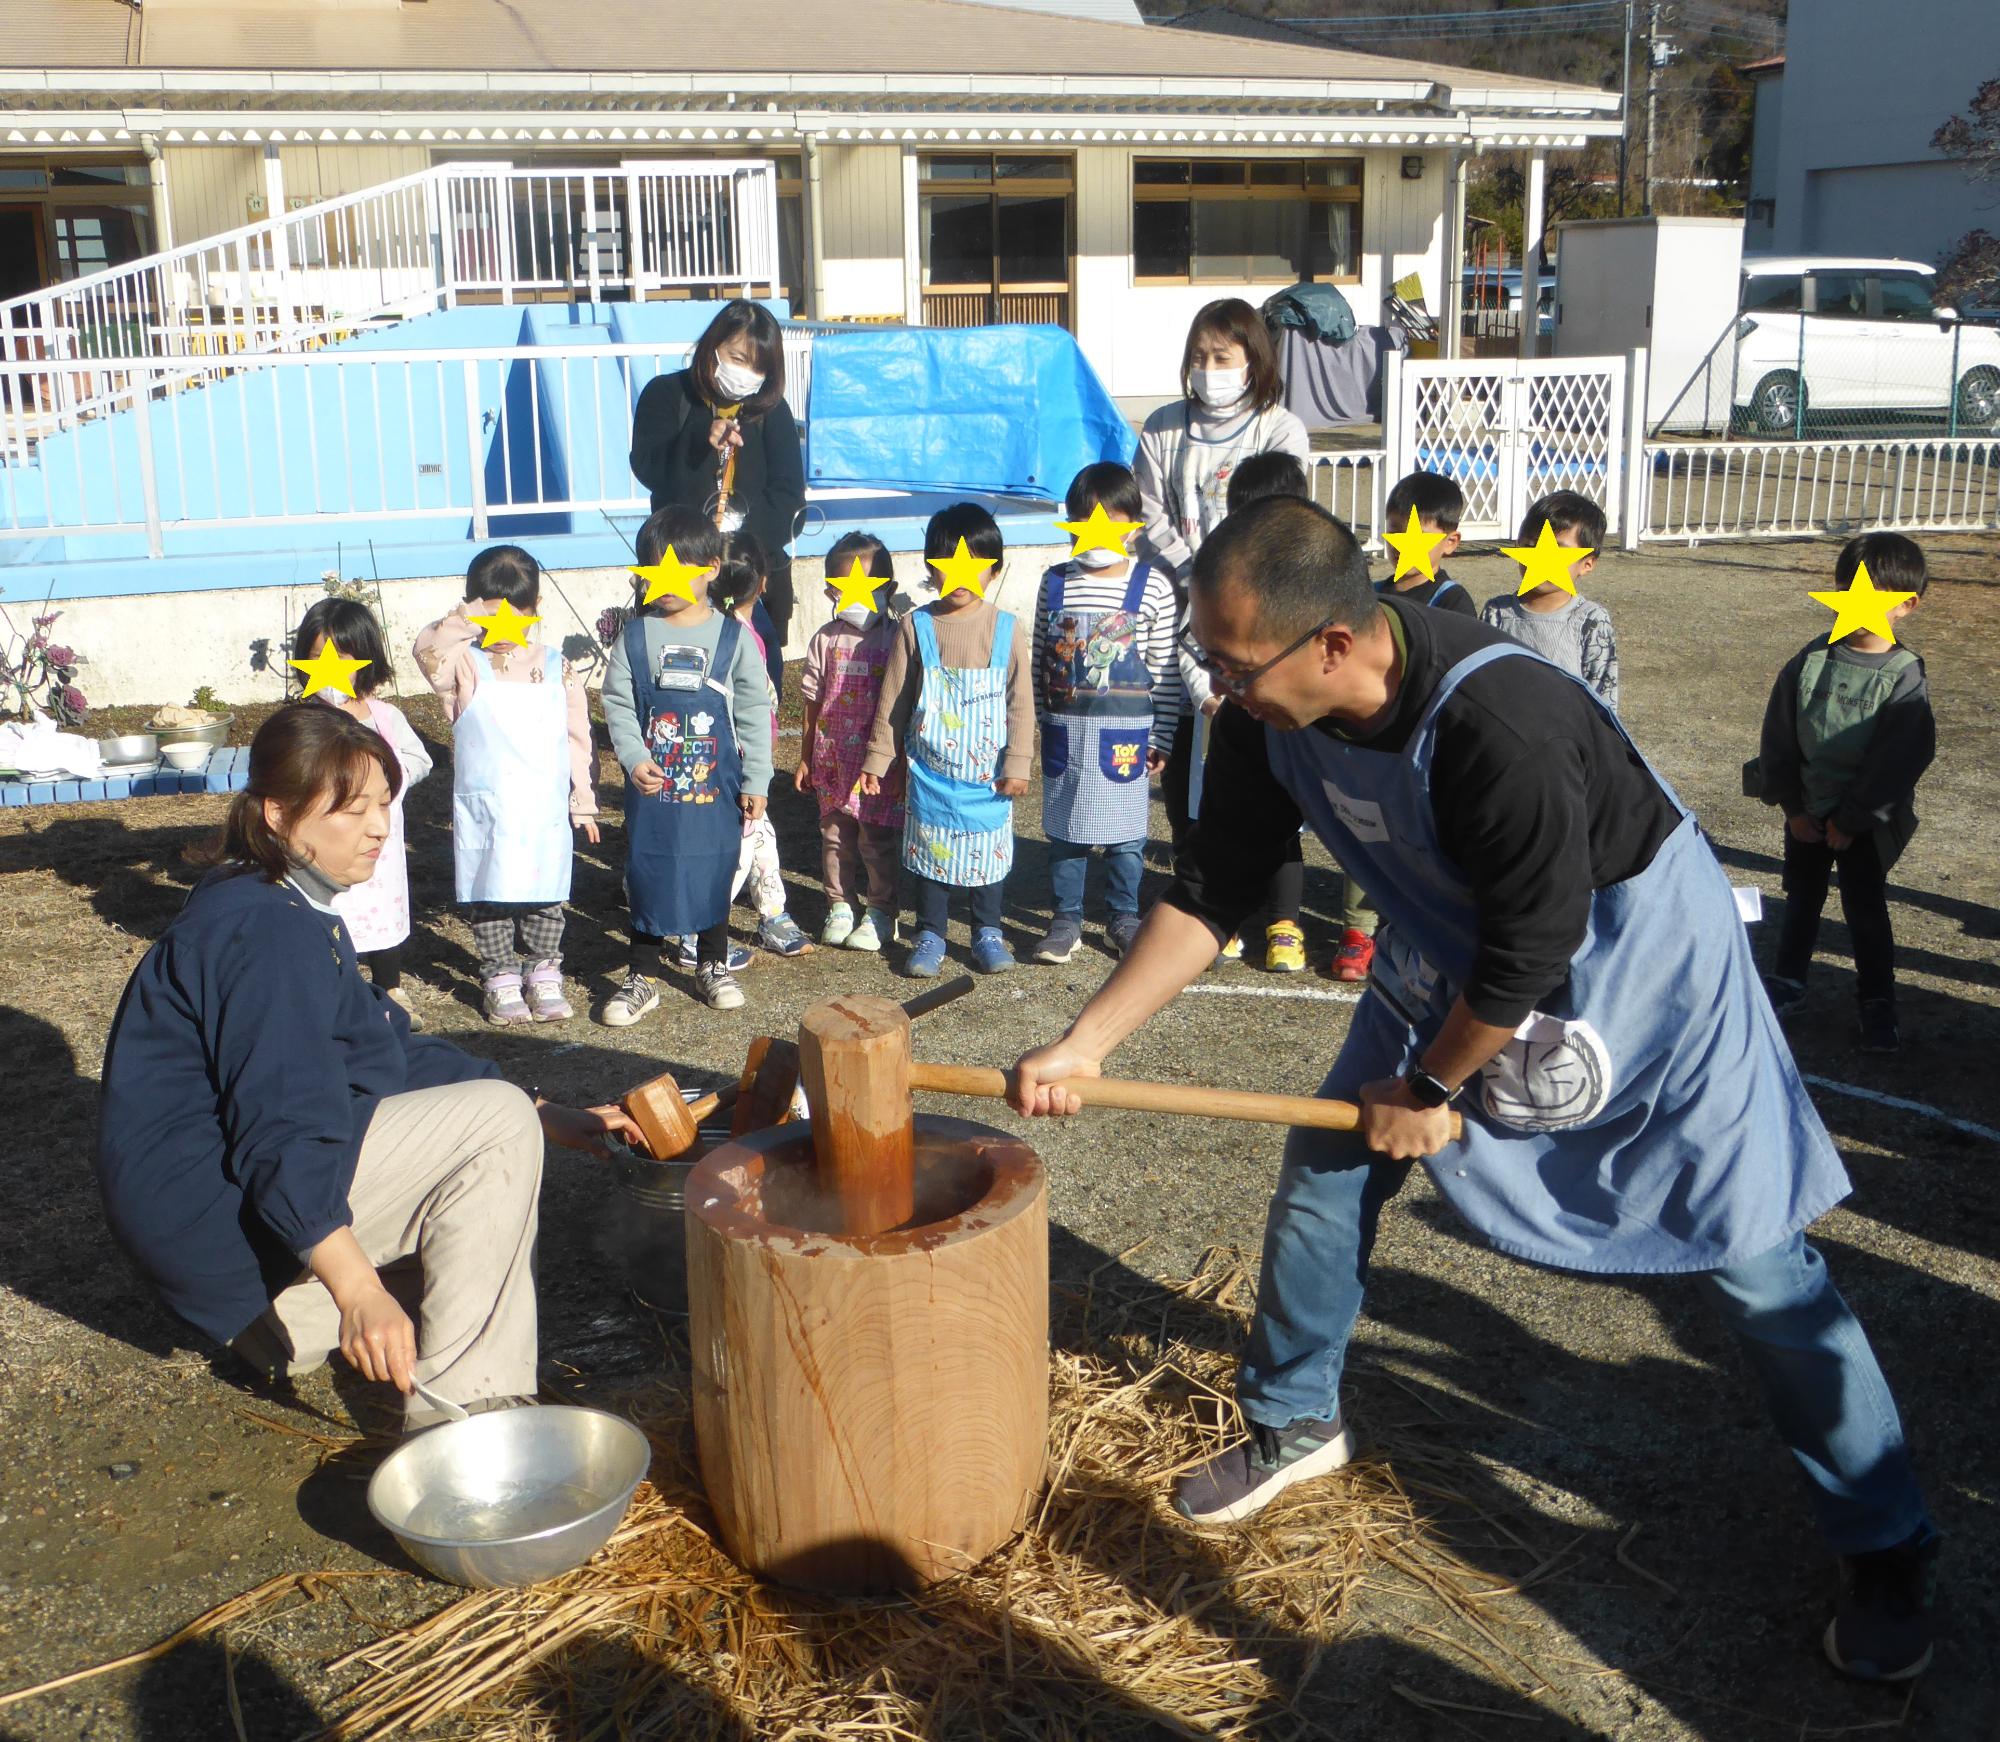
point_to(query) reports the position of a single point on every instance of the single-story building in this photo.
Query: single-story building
(938, 162)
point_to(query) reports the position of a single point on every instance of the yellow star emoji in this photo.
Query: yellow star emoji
(1099, 532)
(1413, 547)
(1862, 606)
(670, 575)
(329, 670)
(1544, 563)
(962, 569)
(505, 625)
(857, 587)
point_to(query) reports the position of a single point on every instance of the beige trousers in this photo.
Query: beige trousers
(445, 1198)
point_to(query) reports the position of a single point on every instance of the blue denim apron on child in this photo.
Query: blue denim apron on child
(957, 829)
(1098, 724)
(1651, 1120)
(682, 843)
(510, 836)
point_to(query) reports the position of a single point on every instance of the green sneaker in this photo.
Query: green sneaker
(839, 925)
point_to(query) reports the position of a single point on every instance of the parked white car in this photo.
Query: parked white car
(1848, 335)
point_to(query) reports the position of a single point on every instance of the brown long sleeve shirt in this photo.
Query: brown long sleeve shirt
(964, 638)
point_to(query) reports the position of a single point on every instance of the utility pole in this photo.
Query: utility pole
(1625, 107)
(1653, 47)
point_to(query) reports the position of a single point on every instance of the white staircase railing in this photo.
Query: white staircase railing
(481, 231)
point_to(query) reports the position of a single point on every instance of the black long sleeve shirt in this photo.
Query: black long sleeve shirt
(1900, 747)
(672, 458)
(1538, 800)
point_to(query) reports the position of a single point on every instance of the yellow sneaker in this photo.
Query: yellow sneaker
(1284, 949)
(1233, 950)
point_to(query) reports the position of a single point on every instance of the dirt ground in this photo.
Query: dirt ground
(141, 1486)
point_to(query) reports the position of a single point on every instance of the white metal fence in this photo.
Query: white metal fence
(295, 436)
(452, 232)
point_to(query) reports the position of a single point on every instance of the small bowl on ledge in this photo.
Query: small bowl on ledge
(185, 757)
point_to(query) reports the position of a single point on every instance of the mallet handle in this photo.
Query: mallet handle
(925, 1002)
(710, 1105)
(1240, 1104)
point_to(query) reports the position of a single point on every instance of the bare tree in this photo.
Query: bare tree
(1970, 268)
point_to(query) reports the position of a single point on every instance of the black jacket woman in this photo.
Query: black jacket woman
(290, 1167)
(729, 402)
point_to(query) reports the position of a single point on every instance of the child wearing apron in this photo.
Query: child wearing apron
(521, 777)
(964, 724)
(1106, 701)
(860, 834)
(687, 703)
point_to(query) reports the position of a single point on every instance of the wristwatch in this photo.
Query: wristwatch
(1426, 1090)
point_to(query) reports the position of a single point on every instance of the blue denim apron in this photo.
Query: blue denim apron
(1676, 1134)
(682, 842)
(1098, 723)
(958, 830)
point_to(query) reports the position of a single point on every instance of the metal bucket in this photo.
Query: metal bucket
(645, 1231)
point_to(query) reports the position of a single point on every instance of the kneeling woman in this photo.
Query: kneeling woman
(274, 1137)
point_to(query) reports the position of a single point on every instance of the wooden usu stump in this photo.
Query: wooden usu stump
(871, 1410)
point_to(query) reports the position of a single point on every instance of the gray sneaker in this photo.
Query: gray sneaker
(1064, 939)
(1255, 1471)
(718, 987)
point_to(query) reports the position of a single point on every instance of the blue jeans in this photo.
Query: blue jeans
(1827, 1396)
(933, 905)
(1122, 864)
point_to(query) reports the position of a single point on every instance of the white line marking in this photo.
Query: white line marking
(1903, 1106)
(1310, 994)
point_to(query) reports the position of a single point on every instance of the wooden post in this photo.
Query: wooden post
(854, 1057)
(872, 1414)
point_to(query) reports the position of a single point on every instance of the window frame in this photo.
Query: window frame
(994, 188)
(1352, 194)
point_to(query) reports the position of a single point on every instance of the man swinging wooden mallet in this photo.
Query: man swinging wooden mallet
(1563, 961)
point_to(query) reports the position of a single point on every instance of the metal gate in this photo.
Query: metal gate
(1511, 430)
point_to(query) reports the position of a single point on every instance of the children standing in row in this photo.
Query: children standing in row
(521, 777)
(687, 701)
(860, 832)
(377, 912)
(1847, 735)
(958, 704)
(1106, 700)
(1559, 623)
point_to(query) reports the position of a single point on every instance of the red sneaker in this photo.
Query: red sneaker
(1357, 952)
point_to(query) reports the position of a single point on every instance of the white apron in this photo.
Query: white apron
(510, 826)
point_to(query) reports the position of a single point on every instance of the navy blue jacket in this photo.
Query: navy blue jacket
(243, 1066)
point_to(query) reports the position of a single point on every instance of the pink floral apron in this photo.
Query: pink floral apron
(378, 911)
(846, 717)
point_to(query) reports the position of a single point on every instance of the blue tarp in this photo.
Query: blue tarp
(1008, 410)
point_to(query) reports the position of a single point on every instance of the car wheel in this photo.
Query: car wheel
(1979, 399)
(1778, 402)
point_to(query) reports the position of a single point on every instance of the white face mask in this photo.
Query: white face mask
(1097, 557)
(735, 383)
(1217, 388)
(858, 615)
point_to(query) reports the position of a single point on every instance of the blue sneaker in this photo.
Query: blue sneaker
(739, 956)
(926, 956)
(990, 954)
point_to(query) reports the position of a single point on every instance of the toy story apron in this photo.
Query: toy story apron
(848, 695)
(510, 789)
(682, 843)
(1651, 1120)
(1098, 720)
(959, 830)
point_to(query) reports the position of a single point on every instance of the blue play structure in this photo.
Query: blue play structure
(388, 455)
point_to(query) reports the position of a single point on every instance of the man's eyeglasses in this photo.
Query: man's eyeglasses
(1239, 683)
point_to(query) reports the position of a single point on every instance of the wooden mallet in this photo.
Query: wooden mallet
(670, 1123)
(771, 1073)
(859, 1075)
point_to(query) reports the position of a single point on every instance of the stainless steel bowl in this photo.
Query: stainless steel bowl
(215, 734)
(511, 1497)
(132, 747)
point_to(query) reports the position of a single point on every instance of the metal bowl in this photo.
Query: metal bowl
(132, 747)
(510, 1497)
(215, 734)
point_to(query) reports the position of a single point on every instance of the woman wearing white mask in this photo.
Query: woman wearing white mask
(718, 437)
(1228, 410)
